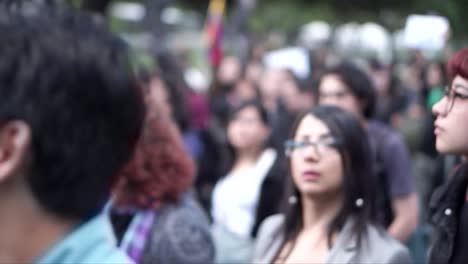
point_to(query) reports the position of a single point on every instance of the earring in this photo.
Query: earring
(292, 200)
(359, 202)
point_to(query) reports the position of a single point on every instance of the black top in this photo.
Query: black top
(120, 223)
(460, 252)
(445, 209)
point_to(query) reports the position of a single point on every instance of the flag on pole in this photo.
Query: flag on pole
(213, 31)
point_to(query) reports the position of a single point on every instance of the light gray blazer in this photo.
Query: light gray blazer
(376, 247)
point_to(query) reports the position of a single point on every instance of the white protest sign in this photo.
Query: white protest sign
(295, 59)
(426, 32)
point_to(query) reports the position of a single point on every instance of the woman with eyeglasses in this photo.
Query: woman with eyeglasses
(329, 213)
(448, 209)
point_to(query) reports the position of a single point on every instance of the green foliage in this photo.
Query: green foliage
(453, 10)
(142, 60)
(284, 16)
(287, 16)
(75, 3)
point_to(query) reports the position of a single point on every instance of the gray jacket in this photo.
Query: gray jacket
(377, 247)
(180, 234)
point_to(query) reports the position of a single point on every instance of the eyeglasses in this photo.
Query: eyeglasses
(321, 146)
(451, 94)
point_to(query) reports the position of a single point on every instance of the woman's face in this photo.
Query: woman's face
(246, 129)
(316, 167)
(451, 125)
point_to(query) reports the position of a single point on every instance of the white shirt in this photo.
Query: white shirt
(235, 197)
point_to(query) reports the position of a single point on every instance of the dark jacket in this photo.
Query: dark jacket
(271, 193)
(444, 211)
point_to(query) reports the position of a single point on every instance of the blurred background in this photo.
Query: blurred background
(212, 54)
(365, 28)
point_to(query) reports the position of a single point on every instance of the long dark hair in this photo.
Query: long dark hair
(357, 184)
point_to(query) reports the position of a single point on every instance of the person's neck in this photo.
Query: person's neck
(26, 231)
(245, 159)
(317, 213)
(250, 155)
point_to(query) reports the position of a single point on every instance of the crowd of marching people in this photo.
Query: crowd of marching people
(359, 162)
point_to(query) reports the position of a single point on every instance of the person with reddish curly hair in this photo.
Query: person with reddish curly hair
(449, 205)
(154, 215)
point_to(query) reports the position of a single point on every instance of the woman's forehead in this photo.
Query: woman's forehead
(250, 111)
(312, 126)
(332, 83)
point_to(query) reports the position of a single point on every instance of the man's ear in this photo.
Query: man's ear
(15, 139)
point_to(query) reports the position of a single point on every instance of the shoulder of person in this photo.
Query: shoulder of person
(383, 132)
(113, 256)
(271, 225)
(382, 248)
(386, 140)
(269, 229)
(267, 237)
(186, 212)
(181, 234)
(98, 254)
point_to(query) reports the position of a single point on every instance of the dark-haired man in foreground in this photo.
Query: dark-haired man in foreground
(69, 117)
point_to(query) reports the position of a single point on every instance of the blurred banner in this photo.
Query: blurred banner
(426, 32)
(213, 31)
(295, 59)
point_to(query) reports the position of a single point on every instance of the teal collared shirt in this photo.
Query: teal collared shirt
(92, 242)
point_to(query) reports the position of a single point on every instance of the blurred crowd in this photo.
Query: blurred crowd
(265, 166)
